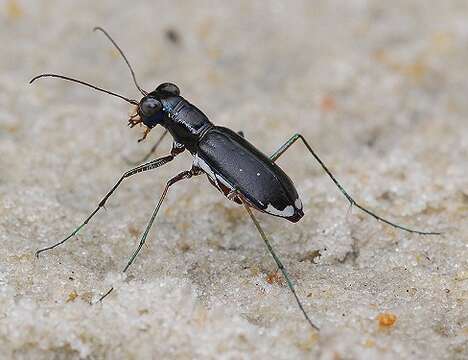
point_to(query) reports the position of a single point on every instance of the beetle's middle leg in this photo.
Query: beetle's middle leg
(183, 175)
(296, 137)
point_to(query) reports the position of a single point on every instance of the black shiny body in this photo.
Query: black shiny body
(263, 183)
(232, 164)
(184, 121)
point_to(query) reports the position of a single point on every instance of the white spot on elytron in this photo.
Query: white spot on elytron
(225, 183)
(200, 163)
(298, 203)
(240, 170)
(286, 212)
(258, 174)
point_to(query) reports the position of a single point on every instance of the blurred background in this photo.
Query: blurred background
(379, 90)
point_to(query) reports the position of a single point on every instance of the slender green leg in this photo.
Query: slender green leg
(181, 176)
(278, 261)
(152, 151)
(295, 137)
(144, 167)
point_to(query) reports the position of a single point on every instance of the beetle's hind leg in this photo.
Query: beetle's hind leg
(296, 137)
(277, 260)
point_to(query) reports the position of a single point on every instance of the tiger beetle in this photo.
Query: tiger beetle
(232, 164)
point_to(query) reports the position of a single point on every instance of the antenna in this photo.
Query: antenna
(134, 102)
(98, 28)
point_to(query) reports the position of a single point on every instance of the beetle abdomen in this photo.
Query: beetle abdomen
(231, 162)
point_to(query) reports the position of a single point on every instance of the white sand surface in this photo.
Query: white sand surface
(378, 88)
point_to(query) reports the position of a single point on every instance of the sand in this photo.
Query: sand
(379, 90)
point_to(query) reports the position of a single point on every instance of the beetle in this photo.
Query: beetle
(240, 171)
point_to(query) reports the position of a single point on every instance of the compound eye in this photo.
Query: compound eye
(168, 88)
(150, 106)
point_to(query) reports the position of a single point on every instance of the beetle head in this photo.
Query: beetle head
(150, 110)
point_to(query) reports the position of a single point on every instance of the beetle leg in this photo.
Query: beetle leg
(183, 175)
(153, 150)
(277, 260)
(144, 167)
(296, 137)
